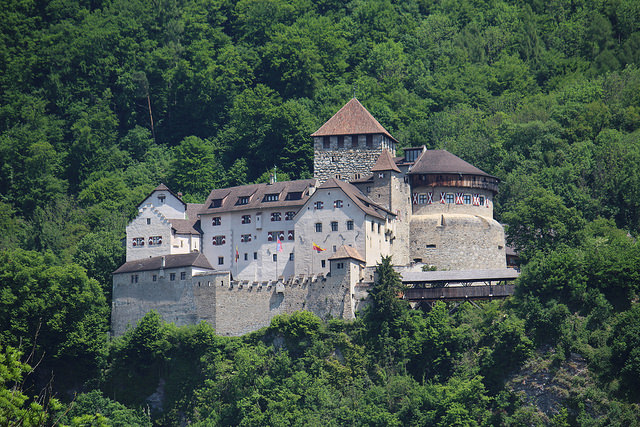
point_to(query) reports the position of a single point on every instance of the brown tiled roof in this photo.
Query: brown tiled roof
(385, 163)
(186, 226)
(193, 209)
(441, 161)
(162, 187)
(363, 202)
(351, 119)
(193, 259)
(368, 178)
(229, 197)
(347, 252)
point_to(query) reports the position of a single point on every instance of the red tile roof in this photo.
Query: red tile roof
(352, 119)
(385, 163)
(347, 252)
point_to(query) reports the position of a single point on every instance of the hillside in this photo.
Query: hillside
(100, 101)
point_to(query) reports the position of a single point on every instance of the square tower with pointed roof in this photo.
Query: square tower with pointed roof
(348, 145)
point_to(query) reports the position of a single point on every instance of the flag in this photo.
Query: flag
(237, 254)
(317, 248)
(279, 246)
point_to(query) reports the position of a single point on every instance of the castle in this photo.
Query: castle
(254, 251)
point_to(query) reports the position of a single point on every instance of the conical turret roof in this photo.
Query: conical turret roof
(352, 119)
(385, 163)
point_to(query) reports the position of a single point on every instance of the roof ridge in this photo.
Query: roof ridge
(352, 119)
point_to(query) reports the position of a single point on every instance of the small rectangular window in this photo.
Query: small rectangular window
(218, 240)
(154, 277)
(161, 198)
(481, 200)
(319, 205)
(243, 200)
(138, 241)
(354, 141)
(275, 257)
(172, 276)
(289, 216)
(271, 197)
(350, 225)
(467, 199)
(245, 238)
(220, 260)
(155, 240)
(318, 227)
(340, 265)
(216, 220)
(183, 275)
(335, 248)
(337, 204)
(291, 235)
(450, 198)
(276, 216)
(340, 141)
(246, 219)
(372, 226)
(326, 142)
(369, 141)
(246, 256)
(323, 263)
(255, 255)
(134, 278)
(148, 221)
(334, 225)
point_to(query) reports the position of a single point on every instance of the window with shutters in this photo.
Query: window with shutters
(276, 216)
(319, 205)
(216, 220)
(218, 240)
(246, 219)
(337, 204)
(288, 216)
(138, 241)
(155, 240)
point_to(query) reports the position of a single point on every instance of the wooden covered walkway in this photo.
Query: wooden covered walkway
(430, 286)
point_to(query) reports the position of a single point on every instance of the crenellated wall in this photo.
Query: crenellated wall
(232, 307)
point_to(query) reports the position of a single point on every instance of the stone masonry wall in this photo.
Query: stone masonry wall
(457, 242)
(232, 308)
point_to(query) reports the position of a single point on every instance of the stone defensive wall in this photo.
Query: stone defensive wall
(233, 308)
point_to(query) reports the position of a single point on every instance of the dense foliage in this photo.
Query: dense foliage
(101, 100)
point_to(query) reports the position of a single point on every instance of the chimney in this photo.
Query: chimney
(180, 195)
(272, 179)
(162, 262)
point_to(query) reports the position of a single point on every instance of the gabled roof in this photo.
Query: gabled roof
(385, 163)
(363, 202)
(351, 119)
(441, 161)
(287, 191)
(347, 252)
(162, 187)
(193, 259)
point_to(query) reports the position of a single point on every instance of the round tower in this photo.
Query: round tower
(452, 225)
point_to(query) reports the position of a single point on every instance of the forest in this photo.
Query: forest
(102, 100)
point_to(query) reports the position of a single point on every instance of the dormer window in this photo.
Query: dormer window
(243, 200)
(294, 195)
(271, 197)
(216, 203)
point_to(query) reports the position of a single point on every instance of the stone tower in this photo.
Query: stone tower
(348, 145)
(390, 188)
(452, 225)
